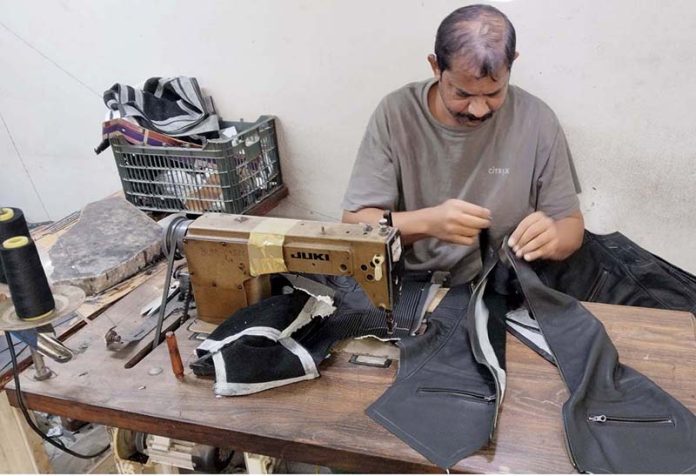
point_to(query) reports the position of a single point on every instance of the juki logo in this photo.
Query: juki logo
(310, 256)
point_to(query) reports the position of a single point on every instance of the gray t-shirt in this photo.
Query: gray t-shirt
(408, 160)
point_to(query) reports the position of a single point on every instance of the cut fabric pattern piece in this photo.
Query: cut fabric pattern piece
(442, 403)
(282, 339)
(616, 419)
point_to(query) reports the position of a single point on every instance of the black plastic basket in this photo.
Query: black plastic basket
(230, 175)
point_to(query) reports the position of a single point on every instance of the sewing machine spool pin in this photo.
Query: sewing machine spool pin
(41, 372)
(38, 334)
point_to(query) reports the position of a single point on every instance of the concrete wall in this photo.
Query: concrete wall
(618, 74)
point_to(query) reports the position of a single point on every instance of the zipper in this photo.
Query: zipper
(597, 286)
(615, 419)
(479, 289)
(511, 259)
(459, 393)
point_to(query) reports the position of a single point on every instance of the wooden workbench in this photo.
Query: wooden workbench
(322, 421)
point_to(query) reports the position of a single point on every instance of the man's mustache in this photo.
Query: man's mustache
(472, 118)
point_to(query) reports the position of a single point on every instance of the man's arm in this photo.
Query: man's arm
(539, 236)
(455, 221)
(410, 224)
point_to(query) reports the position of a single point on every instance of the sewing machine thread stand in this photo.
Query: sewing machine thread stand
(41, 372)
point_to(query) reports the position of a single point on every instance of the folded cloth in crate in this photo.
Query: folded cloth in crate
(172, 106)
(138, 135)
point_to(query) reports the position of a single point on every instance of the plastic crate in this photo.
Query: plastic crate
(230, 175)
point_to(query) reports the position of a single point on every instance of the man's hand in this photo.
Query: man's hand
(457, 221)
(538, 236)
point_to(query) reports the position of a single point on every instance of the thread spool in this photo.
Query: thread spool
(12, 223)
(26, 278)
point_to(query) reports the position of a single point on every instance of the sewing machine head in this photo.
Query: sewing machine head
(231, 258)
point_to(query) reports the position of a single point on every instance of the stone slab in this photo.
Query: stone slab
(111, 241)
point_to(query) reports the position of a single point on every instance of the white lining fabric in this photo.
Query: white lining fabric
(314, 307)
(238, 389)
(220, 370)
(521, 316)
(481, 316)
(306, 359)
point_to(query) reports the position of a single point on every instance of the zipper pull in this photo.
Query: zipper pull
(598, 418)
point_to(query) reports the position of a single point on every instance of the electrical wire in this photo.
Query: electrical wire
(2, 370)
(20, 400)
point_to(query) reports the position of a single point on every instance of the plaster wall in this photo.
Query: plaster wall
(618, 74)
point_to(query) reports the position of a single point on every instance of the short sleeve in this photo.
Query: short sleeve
(558, 184)
(374, 180)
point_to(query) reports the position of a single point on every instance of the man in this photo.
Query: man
(467, 151)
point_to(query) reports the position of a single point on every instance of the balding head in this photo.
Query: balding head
(480, 37)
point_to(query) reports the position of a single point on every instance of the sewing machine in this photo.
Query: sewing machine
(231, 258)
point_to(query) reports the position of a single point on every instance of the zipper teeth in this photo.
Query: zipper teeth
(478, 396)
(480, 287)
(567, 445)
(608, 418)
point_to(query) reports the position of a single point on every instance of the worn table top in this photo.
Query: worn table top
(322, 421)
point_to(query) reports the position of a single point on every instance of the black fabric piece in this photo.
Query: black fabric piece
(253, 359)
(277, 312)
(349, 295)
(442, 402)
(248, 353)
(356, 316)
(612, 269)
(498, 306)
(259, 359)
(616, 419)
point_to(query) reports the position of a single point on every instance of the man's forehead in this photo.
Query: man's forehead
(467, 67)
(469, 81)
